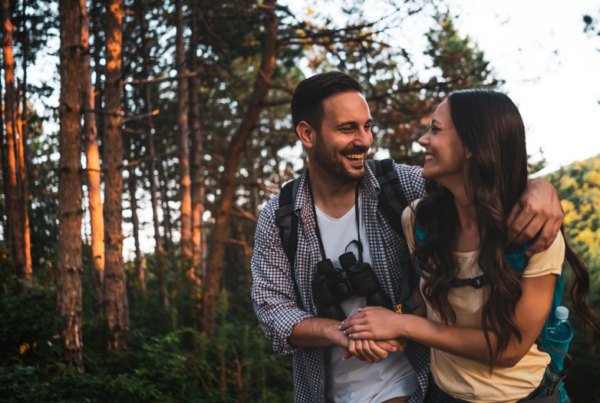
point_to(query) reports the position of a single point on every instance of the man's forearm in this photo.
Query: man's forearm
(316, 333)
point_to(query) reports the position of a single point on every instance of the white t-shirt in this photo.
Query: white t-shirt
(354, 380)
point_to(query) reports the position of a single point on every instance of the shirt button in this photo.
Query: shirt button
(322, 381)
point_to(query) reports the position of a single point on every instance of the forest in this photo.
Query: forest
(171, 118)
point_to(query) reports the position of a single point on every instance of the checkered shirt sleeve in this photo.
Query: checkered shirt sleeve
(273, 294)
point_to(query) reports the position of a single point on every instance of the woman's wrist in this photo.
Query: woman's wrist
(406, 325)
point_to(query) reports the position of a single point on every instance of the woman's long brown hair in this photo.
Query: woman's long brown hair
(491, 127)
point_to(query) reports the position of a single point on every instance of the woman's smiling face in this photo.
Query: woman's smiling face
(446, 157)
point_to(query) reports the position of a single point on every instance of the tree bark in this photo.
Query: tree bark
(23, 152)
(184, 164)
(139, 269)
(11, 140)
(7, 234)
(70, 263)
(197, 154)
(116, 307)
(162, 179)
(90, 134)
(158, 250)
(231, 162)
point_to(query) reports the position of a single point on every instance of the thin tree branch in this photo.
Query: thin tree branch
(137, 117)
(162, 79)
(155, 156)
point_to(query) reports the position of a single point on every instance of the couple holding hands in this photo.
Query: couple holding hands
(435, 309)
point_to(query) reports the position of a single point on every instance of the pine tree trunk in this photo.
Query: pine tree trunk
(184, 163)
(92, 154)
(231, 162)
(158, 251)
(197, 154)
(23, 158)
(139, 269)
(7, 233)
(116, 307)
(162, 180)
(70, 265)
(18, 235)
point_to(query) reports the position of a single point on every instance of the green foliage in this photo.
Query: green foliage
(165, 362)
(578, 186)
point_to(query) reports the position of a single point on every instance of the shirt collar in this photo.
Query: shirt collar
(369, 184)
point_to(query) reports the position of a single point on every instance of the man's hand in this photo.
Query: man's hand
(537, 211)
(373, 350)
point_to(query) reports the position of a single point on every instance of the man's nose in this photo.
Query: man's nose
(363, 138)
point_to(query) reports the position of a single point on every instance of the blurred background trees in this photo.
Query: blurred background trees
(179, 111)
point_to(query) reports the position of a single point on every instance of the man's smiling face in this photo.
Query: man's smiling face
(345, 136)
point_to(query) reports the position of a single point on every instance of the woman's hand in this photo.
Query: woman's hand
(374, 323)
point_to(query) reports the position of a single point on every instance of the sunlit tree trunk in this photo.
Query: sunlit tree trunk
(70, 265)
(184, 164)
(11, 143)
(116, 307)
(231, 162)
(92, 154)
(158, 251)
(197, 154)
(23, 153)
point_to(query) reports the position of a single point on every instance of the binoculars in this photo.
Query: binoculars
(331, 286)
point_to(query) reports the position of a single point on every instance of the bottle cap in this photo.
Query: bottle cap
(561, 313)
(324, 267)
(347, 260)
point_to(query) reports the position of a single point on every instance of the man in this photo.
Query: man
(332, 119)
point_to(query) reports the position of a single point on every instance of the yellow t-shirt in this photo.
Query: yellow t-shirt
(470, 380)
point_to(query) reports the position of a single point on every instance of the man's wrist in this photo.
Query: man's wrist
(336, 336)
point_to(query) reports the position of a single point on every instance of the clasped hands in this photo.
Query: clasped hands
(369, 338)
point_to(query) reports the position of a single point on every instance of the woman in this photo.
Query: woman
(482, 339)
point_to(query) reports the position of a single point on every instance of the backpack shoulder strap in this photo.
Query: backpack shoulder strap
(392, 201)
(287, 221)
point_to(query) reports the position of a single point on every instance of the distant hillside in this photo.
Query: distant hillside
(578, 186)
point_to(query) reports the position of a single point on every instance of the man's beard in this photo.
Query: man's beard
(334, 163)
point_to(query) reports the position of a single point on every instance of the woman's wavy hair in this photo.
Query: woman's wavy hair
(491, 127)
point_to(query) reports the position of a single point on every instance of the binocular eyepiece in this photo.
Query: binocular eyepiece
(331, 286)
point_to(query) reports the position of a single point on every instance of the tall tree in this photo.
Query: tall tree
(197, 151)
(14, 204)
(231, 161)
(158, 250)
(23, 136)
(70, 263)
(184, 154)
(92, 154)
(116, 307)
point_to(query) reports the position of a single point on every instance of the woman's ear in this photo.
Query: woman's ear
(306, 134)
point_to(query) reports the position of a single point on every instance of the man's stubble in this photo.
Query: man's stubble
(333, 162)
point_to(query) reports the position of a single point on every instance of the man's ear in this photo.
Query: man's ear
(306, 134)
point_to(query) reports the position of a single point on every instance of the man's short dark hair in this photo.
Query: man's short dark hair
(307, 101)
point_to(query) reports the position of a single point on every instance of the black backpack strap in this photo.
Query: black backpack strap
(287, 221)
(392, 203)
